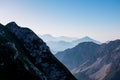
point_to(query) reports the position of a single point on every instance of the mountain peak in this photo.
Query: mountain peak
(24, 55)
(86, 39)
(12, 23)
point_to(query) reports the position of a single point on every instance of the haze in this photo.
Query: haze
(99, 19)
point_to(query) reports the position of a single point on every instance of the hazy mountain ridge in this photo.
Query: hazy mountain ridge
(57, 44)
(85, 39)
(24, 56)
(48, 37)
(92, 61)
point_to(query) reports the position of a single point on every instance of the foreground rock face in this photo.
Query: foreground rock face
(90, 61)
(24, 56)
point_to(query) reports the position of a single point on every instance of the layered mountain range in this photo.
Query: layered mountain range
(58, 44)
(24, 56)
(48, 37)
(91, 61)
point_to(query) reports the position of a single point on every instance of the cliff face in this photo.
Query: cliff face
(25, 56)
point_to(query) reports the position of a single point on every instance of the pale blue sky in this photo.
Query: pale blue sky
(99, 19)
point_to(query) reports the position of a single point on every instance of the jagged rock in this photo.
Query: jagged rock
(24, 56)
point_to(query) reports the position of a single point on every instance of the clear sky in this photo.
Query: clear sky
(99, 19)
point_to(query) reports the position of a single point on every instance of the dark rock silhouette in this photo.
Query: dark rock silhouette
(24, 56)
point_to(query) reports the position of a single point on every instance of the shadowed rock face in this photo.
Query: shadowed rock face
(24, 56)
(90, 61)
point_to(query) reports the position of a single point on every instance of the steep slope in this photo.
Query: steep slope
(78, 55)
(26, 57)
(93, 61)
(13, 59)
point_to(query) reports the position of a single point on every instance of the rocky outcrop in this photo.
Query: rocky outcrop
(27, 57)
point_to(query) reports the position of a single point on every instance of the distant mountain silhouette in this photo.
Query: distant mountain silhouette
(48, 37)
(91, 61)
(58, 44)
(85, 39)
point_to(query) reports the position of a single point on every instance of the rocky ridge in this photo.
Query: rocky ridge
(24, 56)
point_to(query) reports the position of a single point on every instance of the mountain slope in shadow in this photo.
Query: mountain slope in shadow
(24, 56)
